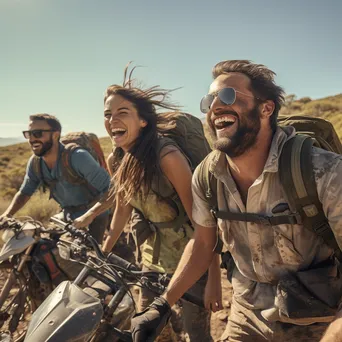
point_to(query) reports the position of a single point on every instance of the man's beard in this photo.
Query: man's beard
(46, 147)
(243, 139)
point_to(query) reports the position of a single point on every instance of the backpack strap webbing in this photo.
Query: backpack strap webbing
(208, 183)
(298, 181)
(173, 199)
(69, 174)
(165, 191)
(37, 169)
(257, 218)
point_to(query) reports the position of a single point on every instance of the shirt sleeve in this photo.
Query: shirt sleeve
(331, 198)
(88, 168)
(200, 208)
(31, 180)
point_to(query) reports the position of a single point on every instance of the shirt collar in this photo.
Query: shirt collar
(281, 135)
(218, 164)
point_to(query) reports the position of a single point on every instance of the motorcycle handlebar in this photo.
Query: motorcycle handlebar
(113, 258)
(59, 222)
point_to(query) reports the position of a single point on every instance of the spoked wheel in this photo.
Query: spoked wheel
(15, 313)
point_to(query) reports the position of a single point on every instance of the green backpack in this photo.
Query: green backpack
(188, 136)
(299, 184)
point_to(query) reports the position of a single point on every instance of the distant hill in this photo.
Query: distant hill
(329, 108)
(10, 141)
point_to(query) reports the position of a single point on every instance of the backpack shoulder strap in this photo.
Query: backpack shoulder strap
(298, 181)
(36, 166)
(37, 169)
(69, 174)
(166, 141)
(208, 184)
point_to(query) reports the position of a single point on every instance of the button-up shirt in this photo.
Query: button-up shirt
(263, 253)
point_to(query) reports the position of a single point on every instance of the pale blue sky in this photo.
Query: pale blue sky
(58, 56)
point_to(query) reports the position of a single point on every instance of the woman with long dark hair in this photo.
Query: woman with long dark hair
(141, 163)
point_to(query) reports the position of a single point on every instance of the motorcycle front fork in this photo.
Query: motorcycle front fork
(12, 276)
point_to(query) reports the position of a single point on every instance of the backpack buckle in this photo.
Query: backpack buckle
(213, 213)
(295, 218)
(322, 228)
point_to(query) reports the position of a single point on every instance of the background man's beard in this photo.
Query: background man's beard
(243, 139)
(46, 147)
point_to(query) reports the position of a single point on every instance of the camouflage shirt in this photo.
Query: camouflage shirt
(172, 244)
(262, 253)
(156, 209)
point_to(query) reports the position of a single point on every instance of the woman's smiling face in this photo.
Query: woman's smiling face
(122, 121)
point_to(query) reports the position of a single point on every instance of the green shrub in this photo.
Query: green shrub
(304, 100)
(295, 107)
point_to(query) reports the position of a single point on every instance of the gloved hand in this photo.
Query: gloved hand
(148, 324)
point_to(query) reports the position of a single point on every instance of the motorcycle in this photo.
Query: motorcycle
(30, 268)
(98, 305)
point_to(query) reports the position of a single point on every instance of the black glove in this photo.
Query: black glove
(148, 324)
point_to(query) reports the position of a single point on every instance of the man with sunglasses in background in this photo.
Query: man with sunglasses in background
(269, 253)
(43, 134)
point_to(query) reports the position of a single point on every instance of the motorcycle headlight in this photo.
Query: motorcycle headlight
(7, 235)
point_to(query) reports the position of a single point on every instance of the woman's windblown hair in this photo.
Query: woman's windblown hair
(136, 169)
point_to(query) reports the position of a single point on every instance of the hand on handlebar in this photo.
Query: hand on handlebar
(83, 221)
(148, 324)
(3, 218)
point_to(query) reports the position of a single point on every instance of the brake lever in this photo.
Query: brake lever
(154, 286)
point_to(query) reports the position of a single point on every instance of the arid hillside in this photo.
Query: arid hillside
(13, 158)
(329, 108)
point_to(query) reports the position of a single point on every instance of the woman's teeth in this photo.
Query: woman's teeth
(118, 131)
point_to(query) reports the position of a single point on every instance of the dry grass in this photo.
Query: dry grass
(329, 108)
(40, 208)
(13, 160)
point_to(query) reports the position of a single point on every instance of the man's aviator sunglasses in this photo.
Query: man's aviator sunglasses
(36, 133)
(226, 95)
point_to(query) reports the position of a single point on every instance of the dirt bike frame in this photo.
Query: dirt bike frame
(114, 272)
(16, 225)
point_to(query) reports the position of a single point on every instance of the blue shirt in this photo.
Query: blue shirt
(65, 193)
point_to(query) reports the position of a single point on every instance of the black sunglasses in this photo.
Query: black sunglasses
(226, 96)
(36, 133)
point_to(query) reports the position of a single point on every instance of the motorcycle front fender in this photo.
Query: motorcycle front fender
(17, 244)
(68, 314)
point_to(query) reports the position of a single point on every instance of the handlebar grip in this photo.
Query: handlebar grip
(58, 221)
(114, 259)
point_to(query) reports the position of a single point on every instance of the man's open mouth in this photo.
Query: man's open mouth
(224, 121)
(36, 145)
(118, 132)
